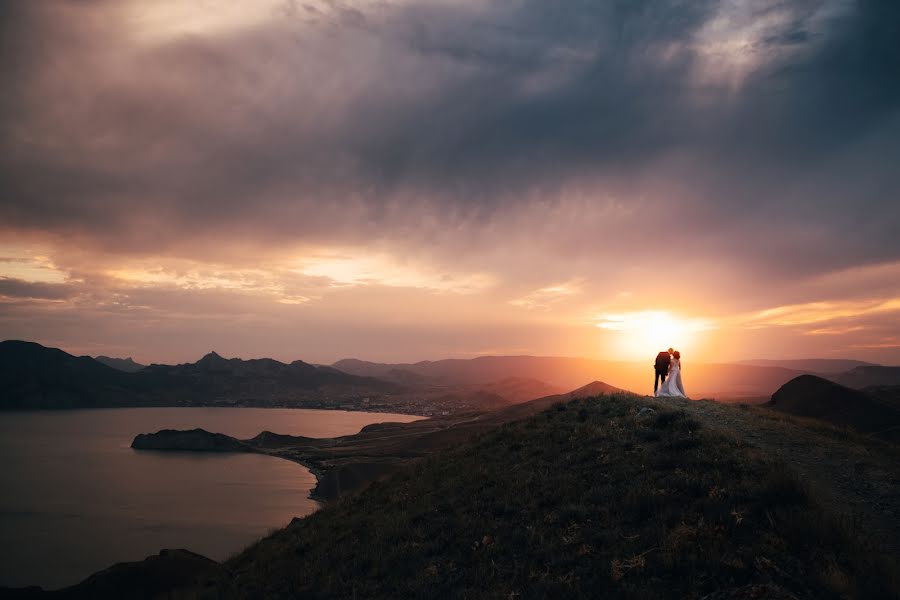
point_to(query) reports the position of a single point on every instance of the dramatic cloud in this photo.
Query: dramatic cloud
(417, 178)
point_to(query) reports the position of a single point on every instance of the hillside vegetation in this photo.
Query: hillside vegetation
(590, 498)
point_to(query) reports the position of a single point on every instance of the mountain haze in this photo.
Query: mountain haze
(866, 376)
(701, 379)
(811, 365)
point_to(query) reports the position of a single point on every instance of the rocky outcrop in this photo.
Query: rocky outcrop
(194, 440)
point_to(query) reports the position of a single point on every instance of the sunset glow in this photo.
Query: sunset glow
(654, 329)
(420, 180)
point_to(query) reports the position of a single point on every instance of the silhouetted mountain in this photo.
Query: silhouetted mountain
(701, 379)
(811, 365)
(121, 364)
(229, 381)
(862, 377)
(33, 376)
(811, 396)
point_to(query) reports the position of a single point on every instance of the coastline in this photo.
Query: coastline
(97, 445)
(341, 465)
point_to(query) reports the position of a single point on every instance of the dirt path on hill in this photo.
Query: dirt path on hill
(856, 479)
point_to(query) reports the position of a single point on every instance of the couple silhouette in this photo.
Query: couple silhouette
(668, 374)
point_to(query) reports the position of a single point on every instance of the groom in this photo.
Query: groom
(662, 368)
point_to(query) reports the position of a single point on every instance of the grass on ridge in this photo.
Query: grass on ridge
(585, 500)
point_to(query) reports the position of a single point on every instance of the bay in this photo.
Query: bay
(76, 498)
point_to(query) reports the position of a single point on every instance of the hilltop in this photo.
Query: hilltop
(611, 496)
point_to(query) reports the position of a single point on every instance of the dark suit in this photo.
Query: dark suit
(662, 369)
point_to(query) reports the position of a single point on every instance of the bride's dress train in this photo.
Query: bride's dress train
(672, 386)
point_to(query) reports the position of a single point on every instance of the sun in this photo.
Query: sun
(644, 333)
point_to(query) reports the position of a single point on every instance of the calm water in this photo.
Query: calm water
(75, 498)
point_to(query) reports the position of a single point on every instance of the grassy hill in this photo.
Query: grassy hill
(590, 498)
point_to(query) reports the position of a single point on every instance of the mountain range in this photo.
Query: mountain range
(34, 376)
(719, 380)
(811, 365)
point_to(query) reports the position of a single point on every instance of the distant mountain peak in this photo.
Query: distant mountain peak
(211, 358)
(594, 388)
(127, 365)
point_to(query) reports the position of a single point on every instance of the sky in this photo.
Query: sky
(397, 180)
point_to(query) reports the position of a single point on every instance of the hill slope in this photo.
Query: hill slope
(592, 498)
(811, 396)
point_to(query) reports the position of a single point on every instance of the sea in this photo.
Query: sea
(75, 498)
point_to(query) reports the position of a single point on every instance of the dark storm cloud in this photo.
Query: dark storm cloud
(19, 289)
(405, 123)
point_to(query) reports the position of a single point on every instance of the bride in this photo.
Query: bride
(672, 386)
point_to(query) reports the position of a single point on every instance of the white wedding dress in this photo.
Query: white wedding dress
(672, 386)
